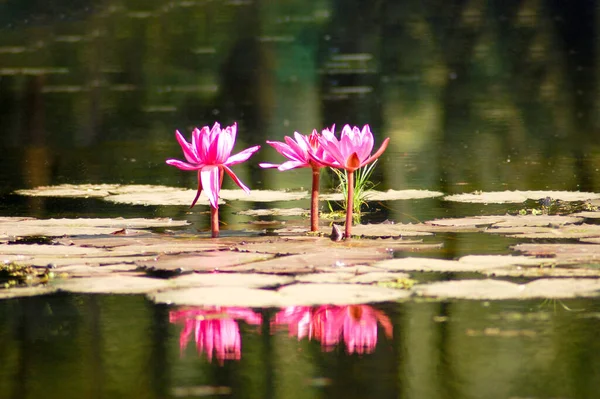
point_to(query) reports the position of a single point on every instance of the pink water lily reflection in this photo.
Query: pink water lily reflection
(216, 330)
(355, 325)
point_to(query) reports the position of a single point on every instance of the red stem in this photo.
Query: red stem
(214, 221)
(214, 211)
(314, 200)
(349, 203)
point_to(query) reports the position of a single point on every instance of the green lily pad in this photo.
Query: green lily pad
(388, 230)
(366, 278)
(218, 296)
(83, 226)
(471, 263)
(248, 280)
(206, 261)
(563, 232)
(562, 254)
(494, 289)
(546, 271)
(114, 284)
(19, 292)
(503, 197)
(70, 190)
(389, 195)
(338, 294)
(275, 212)
(309, 262)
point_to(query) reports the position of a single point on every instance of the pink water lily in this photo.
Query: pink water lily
(303, 152)
(209, 153)
(350, 152)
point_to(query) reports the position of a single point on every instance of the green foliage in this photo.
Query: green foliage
(362, 184)
(401, 283)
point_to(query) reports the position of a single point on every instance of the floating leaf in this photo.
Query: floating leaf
(204, 261)
(390, 230)
(562, 253)
(389, 195)
(80, 226)
(275, 212)
(502, 197)
(338, 294)
(248, 280)
(563, 232)
(115, 284)
(19, 292)
(219, 296)
(70, 190)
(308, 262)
(495, 289)
(471, 263)
(366, 278)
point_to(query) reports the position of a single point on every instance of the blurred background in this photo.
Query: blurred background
(474, 94)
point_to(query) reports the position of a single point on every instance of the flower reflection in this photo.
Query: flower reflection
(356, 325)
(216, 330)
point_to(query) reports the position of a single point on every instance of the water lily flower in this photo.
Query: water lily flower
(216, 330)
(303, 152)
(350, 152)
(209, 153)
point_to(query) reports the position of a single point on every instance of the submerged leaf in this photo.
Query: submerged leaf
(502, 197)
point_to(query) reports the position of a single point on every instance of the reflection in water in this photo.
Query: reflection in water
(355, 324)
(215, 328)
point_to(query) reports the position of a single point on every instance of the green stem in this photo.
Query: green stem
(314, 199)
(349, 203)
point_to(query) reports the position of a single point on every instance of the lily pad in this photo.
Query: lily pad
(263, 195)
(83, 226)
(564, 232)
(546, 271)
(338, 294)
(219, 296)
(308, 262)
(381, 230)
(471, 263)
(389, 195)
(562, 253)
(366, 278)
(19, 292)
(70, 190)
(162, 196)
(502, 197)
(248, 280)
(205, 261)
(495, 289)
(115, 284)
(275, 212)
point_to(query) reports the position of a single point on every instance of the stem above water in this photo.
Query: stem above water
(214, 221)
(314, 199)
(349, 203)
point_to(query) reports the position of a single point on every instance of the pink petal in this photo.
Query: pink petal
(188, 152)
(183, 165)
(265, 165)
(241, 156)
(236, 179)
(284, 150)
(292, 165)
(378, 153)
(209, 176)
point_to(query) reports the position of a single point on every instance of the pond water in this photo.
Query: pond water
(70, 346)
(486, 95)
